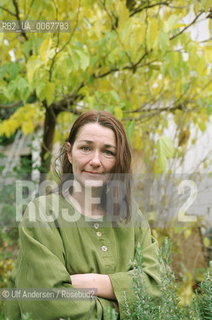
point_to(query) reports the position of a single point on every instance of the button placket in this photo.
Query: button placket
(103, 248)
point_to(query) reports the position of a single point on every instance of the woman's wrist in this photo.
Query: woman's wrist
(105, 288)
(100, 282)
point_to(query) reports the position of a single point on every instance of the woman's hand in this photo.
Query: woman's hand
(100, 282)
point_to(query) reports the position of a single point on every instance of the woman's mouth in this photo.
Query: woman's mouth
(92, 172)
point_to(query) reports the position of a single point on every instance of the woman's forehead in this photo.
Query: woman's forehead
(95, 132)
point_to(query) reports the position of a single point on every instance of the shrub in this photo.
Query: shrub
(168, 307)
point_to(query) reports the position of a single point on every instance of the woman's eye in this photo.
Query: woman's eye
(85, 148)
(109, 153)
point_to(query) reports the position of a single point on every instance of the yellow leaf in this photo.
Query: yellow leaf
(206, 5)
(123, 13)
(27, 127)
(1, 38)
(32, 65)
(136, 36)
(171, 23)
(162, 164)
(152, 32)
(207, 53)
(165, 147)
(186, 292)
(136, 139)
(140, 32)
(45, 49)
(180, 25)
(50, 90)
(64, 122)
(8, 127)
(207, 242)
(118, 113)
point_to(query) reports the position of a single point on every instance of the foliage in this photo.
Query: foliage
(8, 225)
(136, 59)
(204, 300)
(168, 305)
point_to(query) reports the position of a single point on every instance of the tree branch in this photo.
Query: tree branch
(66, 103)
(11, 105)
(188, 26)
(148, 113)
(206, 40)
(111, 15)
(130, 67)
(106, 73)
(69, 100)
(18, 18)
(63, 104)
(8, 11)
(142, 58)
(139, 9)
(114, 27)
(66, 43)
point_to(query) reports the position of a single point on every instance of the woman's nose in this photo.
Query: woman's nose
(95, 160)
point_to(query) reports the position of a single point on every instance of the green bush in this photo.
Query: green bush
(168, 306)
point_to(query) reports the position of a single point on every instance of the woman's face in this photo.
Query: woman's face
(93, 154)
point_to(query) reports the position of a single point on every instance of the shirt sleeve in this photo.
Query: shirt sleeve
(124, 282)
(42, 265)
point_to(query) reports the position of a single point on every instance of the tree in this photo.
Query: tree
(133, 58)
(136, 59)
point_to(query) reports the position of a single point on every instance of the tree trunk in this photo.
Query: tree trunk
(47, 143)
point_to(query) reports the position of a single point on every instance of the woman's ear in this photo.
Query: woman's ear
(68, 151)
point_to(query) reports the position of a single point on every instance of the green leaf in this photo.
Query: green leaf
(165, 150)
(41, 90)
(115, 96)
(45, 50)
(75, 58)
(13, 69)
(23, 88)
(206, 5)
(163, 41)
(129, 130)
(50, 90)
(12, 89)
(62, 68)
(172, 21)
(3, 2)
(10, 70)
(33, 64)
(162, 164)
(209, 109)
(165, 147)
(84, 59)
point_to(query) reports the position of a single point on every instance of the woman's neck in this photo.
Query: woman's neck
(88, 202)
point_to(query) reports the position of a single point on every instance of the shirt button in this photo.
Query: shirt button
(99, 234)
(104, 248)
(96, 225)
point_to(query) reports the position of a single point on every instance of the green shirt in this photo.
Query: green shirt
(52, 250)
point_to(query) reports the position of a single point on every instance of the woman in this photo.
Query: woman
(85, 235)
